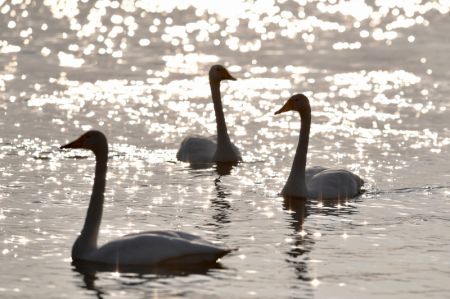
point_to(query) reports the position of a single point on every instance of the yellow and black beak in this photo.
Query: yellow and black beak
(75, 144)
(288, 106)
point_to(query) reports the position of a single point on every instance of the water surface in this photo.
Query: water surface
(377, 76)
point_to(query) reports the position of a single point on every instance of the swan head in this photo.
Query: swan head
(298, 102)
(218, 73)
(91, 140)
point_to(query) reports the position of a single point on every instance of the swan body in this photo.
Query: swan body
(154, 247)
(315, 182)
(332, 183)
(146, 248)
(196, 149)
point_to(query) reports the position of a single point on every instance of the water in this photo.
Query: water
(376, 73)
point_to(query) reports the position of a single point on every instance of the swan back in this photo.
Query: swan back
(197, 149)
(334, 184)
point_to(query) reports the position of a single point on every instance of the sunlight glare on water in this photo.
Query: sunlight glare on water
(376, 73)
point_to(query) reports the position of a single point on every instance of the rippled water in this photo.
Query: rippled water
(376, 73)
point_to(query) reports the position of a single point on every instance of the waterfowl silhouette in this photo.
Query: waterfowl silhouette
(315, 182)
(197, 149)
(145, 248)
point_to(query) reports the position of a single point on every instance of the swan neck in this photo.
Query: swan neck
(302, 147)
(87, 240)
(297, 175)
(222, 131)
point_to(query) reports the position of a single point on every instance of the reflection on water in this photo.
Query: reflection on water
(133, 276)
(376, 73)
(225, 168)
(302, 241)
(220, 203)
(297, 208)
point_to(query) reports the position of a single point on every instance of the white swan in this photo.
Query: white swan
(315, 182)
(196, 149)
(146, 248)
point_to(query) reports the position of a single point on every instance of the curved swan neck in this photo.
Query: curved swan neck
(88, 238)
(297, 176)
(302, 147)
(222, 131)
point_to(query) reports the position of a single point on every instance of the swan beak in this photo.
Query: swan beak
(75, 144)
(229, 77)
(286, 107)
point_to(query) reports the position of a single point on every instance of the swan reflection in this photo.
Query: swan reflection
(221, 168)
(302, 242)
(140, 275)
(225, 168)
(220, 210)
(220, 204)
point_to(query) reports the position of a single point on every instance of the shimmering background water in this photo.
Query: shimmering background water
(377, 75)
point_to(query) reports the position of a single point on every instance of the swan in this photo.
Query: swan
(197, 149)
(316, 182)
(146, 248)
